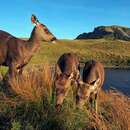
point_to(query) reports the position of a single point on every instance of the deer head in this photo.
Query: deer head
(84, 90)
(41, 32)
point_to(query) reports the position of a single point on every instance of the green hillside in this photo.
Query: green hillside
(110, 52)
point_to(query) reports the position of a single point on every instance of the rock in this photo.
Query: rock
(108, 32)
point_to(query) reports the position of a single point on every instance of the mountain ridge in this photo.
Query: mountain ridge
(113, 32)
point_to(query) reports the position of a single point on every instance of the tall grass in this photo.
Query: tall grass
(114, 110)
(34, 84)
(37, 110)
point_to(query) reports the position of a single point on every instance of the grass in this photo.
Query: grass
(111, 53)
(28, 103)
(32, 106)
(33, 84)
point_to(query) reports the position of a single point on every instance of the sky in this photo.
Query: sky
(66, 19)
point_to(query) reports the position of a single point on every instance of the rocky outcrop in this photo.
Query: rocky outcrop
(109, 32)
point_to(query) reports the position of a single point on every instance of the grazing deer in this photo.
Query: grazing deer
(93, 79)
(16, 53)
(67, 71)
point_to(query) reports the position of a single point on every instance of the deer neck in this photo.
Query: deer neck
(34, 41)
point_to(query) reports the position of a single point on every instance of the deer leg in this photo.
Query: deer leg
(12, 70)
(96, 99)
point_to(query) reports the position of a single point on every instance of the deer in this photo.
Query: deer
(15, 53)
(90, 85)
(67, 72)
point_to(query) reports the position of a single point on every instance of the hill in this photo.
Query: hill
(108, 32)
(112, 53)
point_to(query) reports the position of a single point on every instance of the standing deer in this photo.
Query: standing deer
(16, 53)
(67, 71)
(93, 79)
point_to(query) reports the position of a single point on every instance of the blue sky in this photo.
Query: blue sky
(65, 18)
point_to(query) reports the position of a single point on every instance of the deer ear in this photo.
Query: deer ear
(34, 19)
(96, 82)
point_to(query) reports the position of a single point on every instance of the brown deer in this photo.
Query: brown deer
(67, 71)
(16, 53)
(93, 79)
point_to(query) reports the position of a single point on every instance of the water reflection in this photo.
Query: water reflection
(119, 79)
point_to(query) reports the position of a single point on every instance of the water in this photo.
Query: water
(119, 79)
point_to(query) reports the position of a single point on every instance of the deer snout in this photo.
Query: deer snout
(60, 99)
(58, 107)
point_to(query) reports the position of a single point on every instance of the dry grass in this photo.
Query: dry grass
(115, 110)
(37, 82)
(34, 83)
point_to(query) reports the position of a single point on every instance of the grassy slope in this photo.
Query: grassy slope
(111, 53)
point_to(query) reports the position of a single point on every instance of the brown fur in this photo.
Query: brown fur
(93, 79)
(16, 53)
(67, 70)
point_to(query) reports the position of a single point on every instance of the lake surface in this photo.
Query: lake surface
(119, 79)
